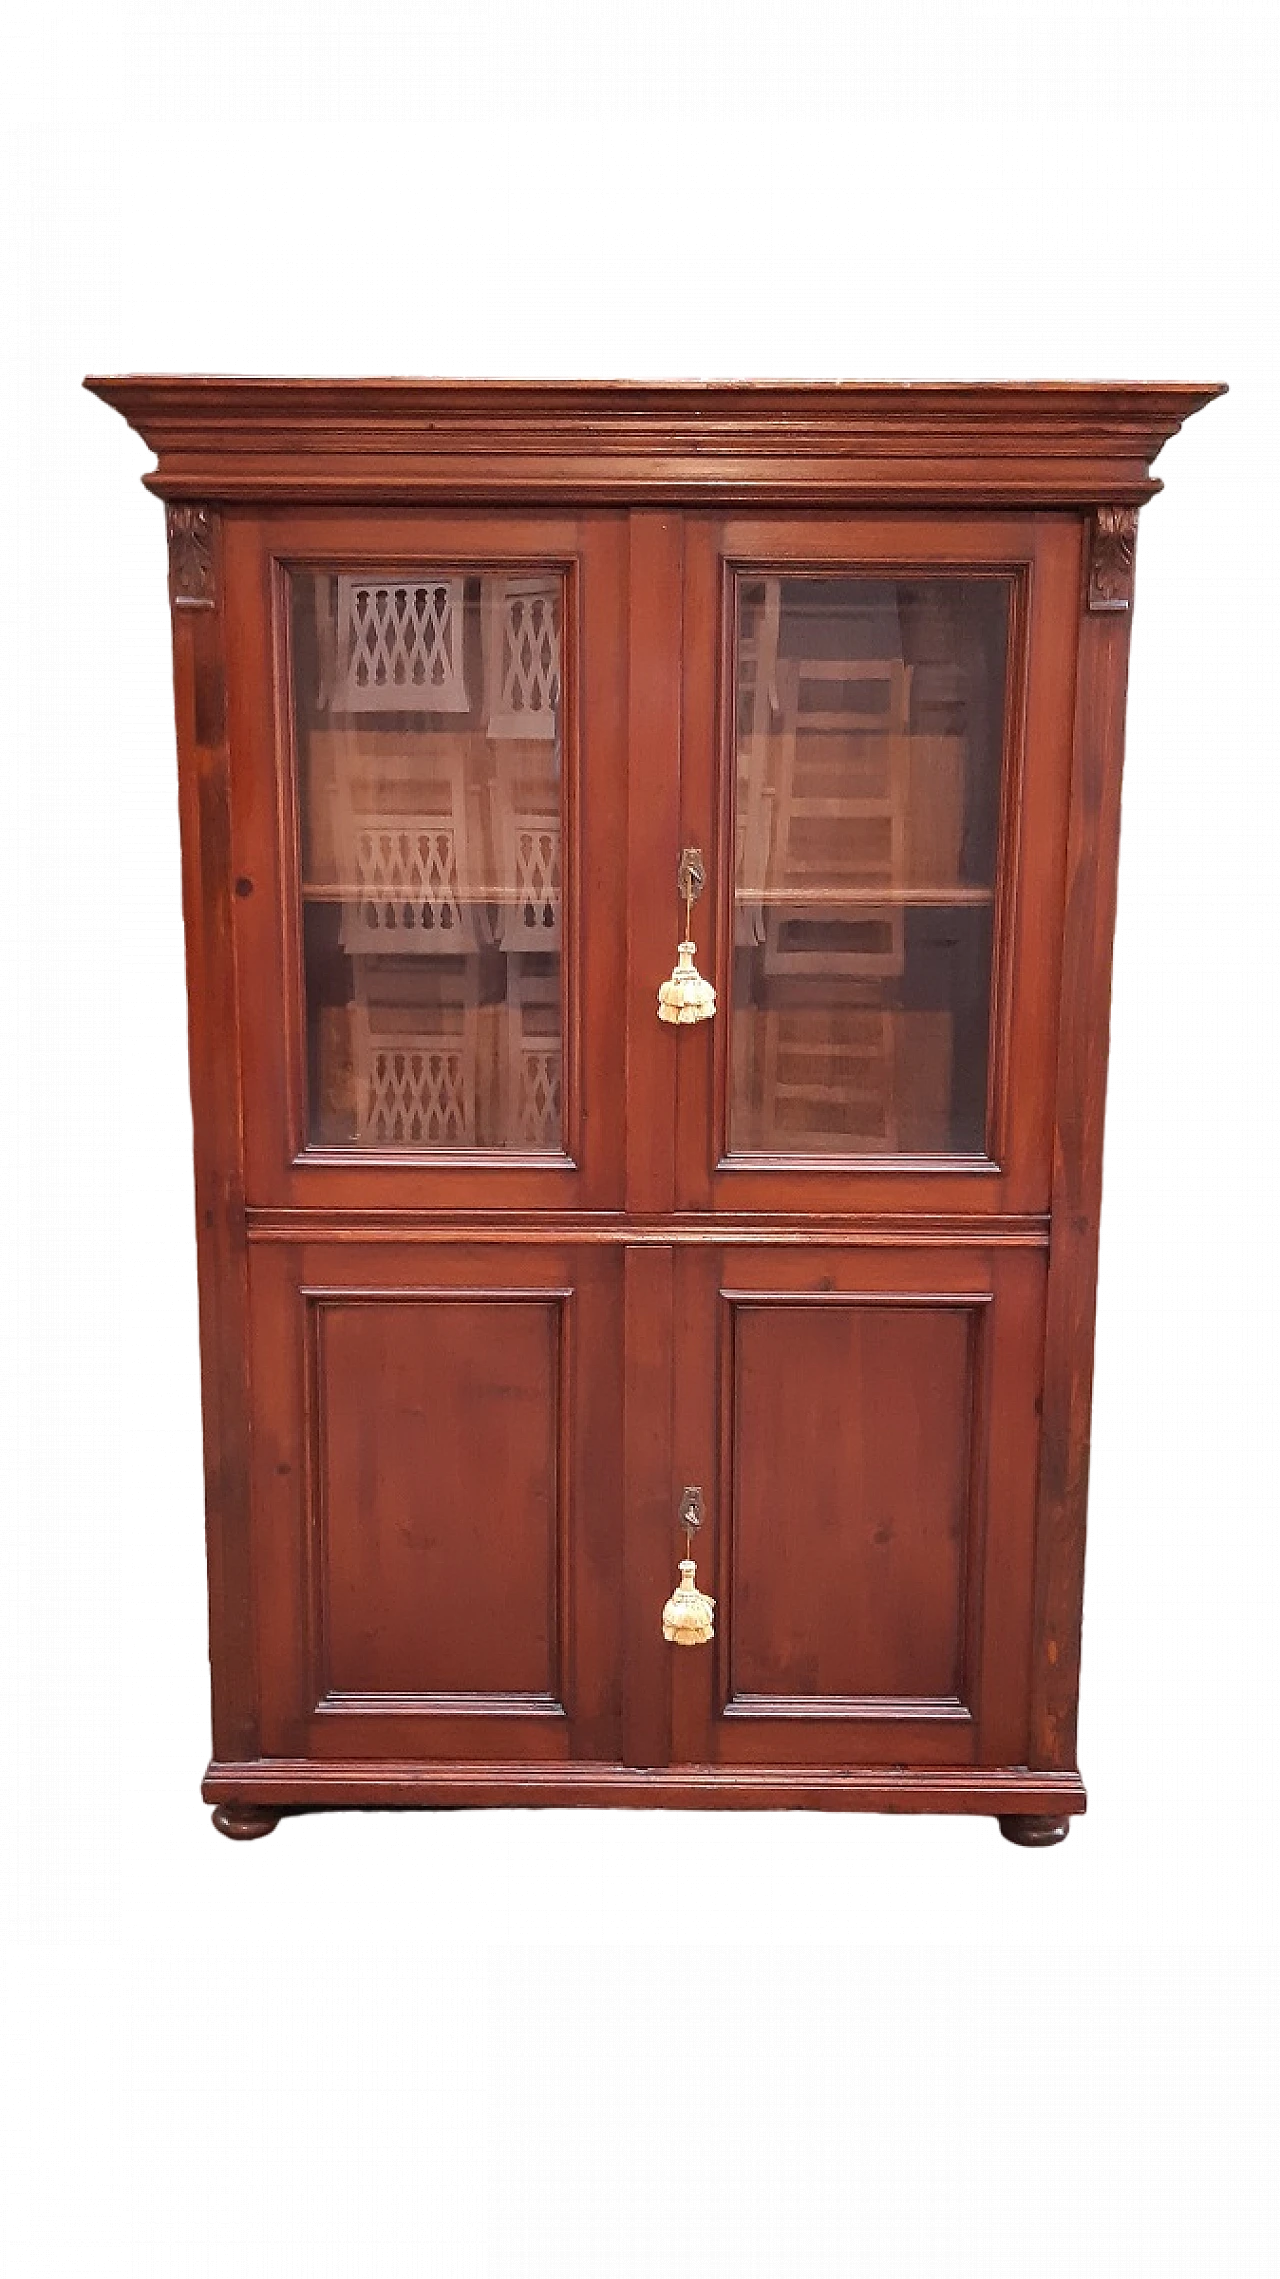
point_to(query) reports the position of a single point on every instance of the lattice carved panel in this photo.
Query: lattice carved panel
(535, 1059)
(405, 882)
(415, 1076)
(526, 806)
(522, 657)
(400, 646)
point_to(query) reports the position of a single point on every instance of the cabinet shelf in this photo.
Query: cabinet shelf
(814, 898)
(866, 897)
(508, 896)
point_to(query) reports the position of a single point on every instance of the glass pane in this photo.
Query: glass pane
(428, 722)
(869, 726)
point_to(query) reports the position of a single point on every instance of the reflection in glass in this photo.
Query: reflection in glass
(869, 727)
(428, 725)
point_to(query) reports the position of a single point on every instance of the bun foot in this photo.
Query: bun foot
(1034, 1829)
(242, 1822)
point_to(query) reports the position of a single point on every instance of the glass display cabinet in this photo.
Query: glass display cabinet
(649, 861)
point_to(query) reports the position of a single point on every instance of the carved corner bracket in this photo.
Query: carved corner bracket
(192, 570)
(1112, 550)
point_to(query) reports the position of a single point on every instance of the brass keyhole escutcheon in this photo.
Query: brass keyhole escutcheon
(691, 877)
(688, 1618)
(692, 1510)
(687, 998)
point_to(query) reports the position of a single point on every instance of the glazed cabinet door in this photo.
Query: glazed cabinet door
(435, 1500)
(427, 725)
(876, 758)
(875, 763)
(427, 731)
(864, 1425)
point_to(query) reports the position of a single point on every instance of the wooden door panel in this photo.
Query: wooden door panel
(872, 1542)
(441, 1514)
(435, 1497)
(851, 1456)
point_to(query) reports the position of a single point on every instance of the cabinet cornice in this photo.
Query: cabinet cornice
(839, 443)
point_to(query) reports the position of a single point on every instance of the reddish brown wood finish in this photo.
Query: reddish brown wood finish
(890, 1787)
(953, 443)
(849, 1442)
(1034, 1830)
(436, 1500)
(443, 1550)
(1092, 857)
(869, 1420)
(653, 854)
(649, 1509)
(450, 1405)
(243, 1822)
(200, 705)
